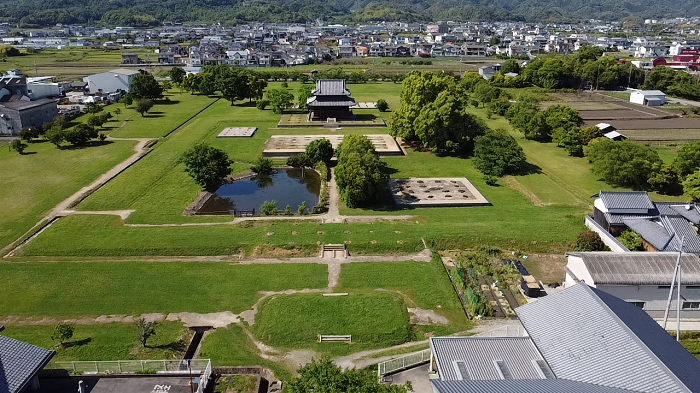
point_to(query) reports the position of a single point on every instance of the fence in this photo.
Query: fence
(403, 362)
(196, 366)
(204, 380)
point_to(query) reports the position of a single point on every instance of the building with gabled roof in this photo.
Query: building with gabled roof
(330, 99)
(589, 340)
(19, 365)
(639, 278)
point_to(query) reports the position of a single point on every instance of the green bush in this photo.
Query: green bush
(262, 104)
(382, 105)
(631, 240)
(589, 241)
(263, 166)
(269, 208)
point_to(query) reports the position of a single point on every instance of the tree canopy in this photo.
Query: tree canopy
(359, 171)
(622, 163)
(496, 153)
(323, 376)
(207, 165)
(145, 86)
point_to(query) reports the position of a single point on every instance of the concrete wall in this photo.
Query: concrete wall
(605, 236)
(108, 82)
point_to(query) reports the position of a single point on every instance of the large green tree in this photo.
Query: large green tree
(177, 75)
(207, 165)
(280, 99)
(622, 163)
(319, 150)
(359, 172)
(145, 86)
(688, 159)
(496, 153)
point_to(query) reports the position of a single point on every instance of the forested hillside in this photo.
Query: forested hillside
(154, 12)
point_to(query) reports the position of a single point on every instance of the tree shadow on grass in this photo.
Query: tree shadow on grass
(153, 115)
(247, 104)
(528, 169)
(77, 343)
(167, 102)
(86, 145)
(175, 346)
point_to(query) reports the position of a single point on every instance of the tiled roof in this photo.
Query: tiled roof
(19, 362)
(521, 386)
(479, 355)
(330, 87)
(619, 219)
(589, 336)
(330, 101)
(626, 200)
(689, 212)
(665, 233)
(638, 268)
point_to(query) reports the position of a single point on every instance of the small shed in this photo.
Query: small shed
(648, 97)
(616, 136)
(605, 127)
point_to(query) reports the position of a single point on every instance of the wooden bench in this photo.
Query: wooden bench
(326, 338)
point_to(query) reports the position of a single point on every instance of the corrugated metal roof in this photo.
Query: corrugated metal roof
(330, 87)
(589, 336)
(521, 386)
(626, 200)
(19, 362)
(638, 268)
(479, 355)
(123, 71)
(22, 105)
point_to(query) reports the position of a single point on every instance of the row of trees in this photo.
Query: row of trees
(673, 82)
(234, 83)
(63, 332)
(359, 172)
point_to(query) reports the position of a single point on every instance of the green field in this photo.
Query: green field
(133, 288)
(111, 341)
(423, 285)
(374, 319)
(36, 181)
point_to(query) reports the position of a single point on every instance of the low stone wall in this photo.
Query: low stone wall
(198, 203)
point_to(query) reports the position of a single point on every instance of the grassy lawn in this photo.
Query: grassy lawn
(36, 181)
(230, 346)
(103, 288)
(112, 341)
(374, 319)
(163, 118)
(424, 285)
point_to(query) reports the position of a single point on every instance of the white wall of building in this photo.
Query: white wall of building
(108, 82)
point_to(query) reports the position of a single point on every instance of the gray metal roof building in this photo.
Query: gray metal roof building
(590, 341)
(19, 364)
(638, 268)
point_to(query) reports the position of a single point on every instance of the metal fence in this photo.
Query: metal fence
(204, 380)
(196, 366)
(403, 362)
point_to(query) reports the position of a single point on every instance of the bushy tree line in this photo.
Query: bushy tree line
(559, 123)
(234, 83)
(673, 82)
(588, 65)
(359, 172)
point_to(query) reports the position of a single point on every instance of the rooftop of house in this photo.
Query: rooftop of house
(19, 363)
(634, 200)
(638, 268)
(589, 340)
(330, 87)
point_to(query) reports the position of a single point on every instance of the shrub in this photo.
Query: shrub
(497, 153)
(589, 241)
(263, 166)
(631, 240)
(288, 211)
(262, 104)
(301, 210)
(491, 180)
(382, 105)
(269, 208)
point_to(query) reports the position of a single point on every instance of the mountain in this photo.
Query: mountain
(154, 12)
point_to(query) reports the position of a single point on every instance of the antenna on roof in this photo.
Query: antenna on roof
(676, 274)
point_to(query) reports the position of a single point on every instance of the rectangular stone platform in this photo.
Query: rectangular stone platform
(281, 146)
(434, 192)
(237, 132)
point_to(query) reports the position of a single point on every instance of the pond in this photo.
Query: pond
(290, 186)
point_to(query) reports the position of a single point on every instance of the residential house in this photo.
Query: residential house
(648, 97)
(580, 339)
(346, 51)
(640, 278)
(487, 71)
(131, 59)
(20, 364)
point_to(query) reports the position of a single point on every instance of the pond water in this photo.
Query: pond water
(290, 186)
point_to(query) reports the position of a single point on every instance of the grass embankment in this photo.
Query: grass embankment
(111, 341)
(35, 182)
(104, 288)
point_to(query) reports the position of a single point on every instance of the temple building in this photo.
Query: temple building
(330, 100)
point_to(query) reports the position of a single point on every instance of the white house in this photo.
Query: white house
(110, 81)
(648, 97)
(640, 278)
